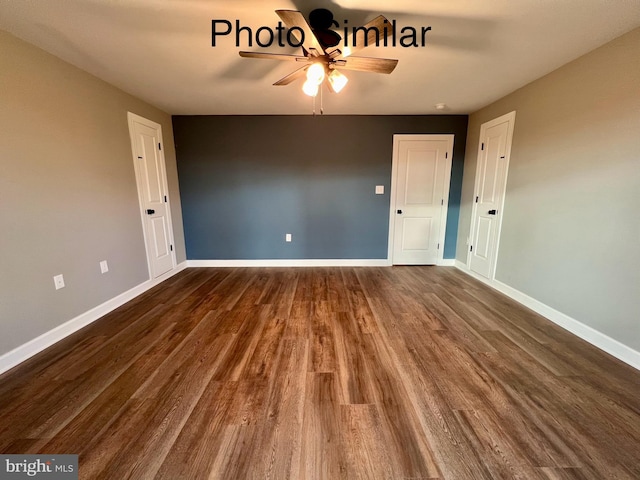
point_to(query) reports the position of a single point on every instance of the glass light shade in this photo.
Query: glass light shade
(310, 88)
(337, 80)
(315, 73)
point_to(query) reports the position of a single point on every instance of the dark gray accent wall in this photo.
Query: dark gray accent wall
(246, 181)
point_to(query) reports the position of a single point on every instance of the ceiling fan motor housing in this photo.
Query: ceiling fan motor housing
(321, 21)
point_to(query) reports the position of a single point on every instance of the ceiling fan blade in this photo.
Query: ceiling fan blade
(367, 64)
(273, 56)
(292, 77)
(294, 19)
(372, 33)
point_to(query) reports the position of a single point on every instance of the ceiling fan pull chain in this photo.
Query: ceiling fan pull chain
(321, 103)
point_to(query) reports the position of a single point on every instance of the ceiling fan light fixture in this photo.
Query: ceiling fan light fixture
(322, 53)
(310, 88)
(337, 81)
(315, 73)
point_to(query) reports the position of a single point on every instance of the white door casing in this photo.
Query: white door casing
(421, 173)
(492, 168)
(151, 179)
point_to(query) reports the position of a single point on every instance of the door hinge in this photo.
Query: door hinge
(477, 199)
(438, 246)
(165, 199)
(482, 146)
(171, 247)
(442, 202)
(471, 249)
(140, 158)
(446, 155)
(159, 147)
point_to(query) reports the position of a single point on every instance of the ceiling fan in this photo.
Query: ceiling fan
(323, 55)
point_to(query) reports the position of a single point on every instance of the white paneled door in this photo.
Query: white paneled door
(146, 141)
(491, 178)
(420, 192)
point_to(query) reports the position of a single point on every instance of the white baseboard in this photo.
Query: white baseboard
(587, 333)
(613, 347)
(447, 262)
(289, 263)
(38, 344)
(462, 266)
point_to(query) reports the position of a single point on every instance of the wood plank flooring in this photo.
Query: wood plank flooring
(326, 373)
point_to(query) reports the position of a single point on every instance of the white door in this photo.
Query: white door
(146, 142)
(491, 179)
(419, 198)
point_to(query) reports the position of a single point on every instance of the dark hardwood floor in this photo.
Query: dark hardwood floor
(326, 373)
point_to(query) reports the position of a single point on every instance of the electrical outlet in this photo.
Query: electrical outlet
(104, 267)
(58, 281)
(287, 237)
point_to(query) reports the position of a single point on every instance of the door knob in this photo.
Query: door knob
(491, 212)
(399, 212)
(150, 212)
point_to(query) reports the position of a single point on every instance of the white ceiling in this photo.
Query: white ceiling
(161, 52)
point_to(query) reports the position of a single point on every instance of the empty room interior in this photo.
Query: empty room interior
(320, 240)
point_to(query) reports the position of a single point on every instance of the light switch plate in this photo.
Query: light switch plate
(379, 189)
(287, 237)
(104, 267)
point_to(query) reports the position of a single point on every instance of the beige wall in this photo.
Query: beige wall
(68, 196)
(571, 228)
